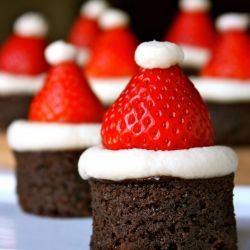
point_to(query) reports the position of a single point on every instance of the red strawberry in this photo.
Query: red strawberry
(23, 55)
(84, 32)
(193, 29)
(114, 55)
(230, 57)
(159, 110)
(66, 97)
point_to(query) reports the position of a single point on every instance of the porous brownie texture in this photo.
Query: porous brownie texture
(231, 122)
(164, 213)
(48, 183)
(12, 108)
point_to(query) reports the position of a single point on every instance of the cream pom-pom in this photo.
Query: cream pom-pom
(31, 24)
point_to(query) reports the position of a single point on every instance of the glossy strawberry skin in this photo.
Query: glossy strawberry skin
(188, 29)
(114, 55)
(66, 98)
(23, 55)
(84, 33)
(230, 58)
(159, 110)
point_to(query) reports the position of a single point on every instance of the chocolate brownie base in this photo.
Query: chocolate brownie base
(164, 213)
(12, 108)
(189, 71)
(48, 184)
(231, 123)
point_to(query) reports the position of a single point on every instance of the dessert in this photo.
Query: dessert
(63, 120)
(86, 30)
(22, 66)
(158, 181)
(111, 64)
(193, 30)
(224, 82)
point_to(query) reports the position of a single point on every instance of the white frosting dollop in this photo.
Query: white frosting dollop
(83, 56)
(156, 54)
(108, 89)
(11, 84)
(195, 5)
(222, 89)
(31, 24)
(35, 136)
(59, 52)
(113, 18)
(232, 21)
(116, 165)
(195, 57)
(93, 8)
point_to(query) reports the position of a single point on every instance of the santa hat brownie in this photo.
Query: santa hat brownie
(22, 66)
(112, 62)
(230, 58)
(23, 52)
(66, 96)
(64, 120)
(85, 29)
(160, 109)
(193, 30)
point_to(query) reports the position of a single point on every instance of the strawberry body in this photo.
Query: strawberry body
(23, 55)
(160, 110)
(193, 29)
(66, 97)
(230, 58)
(114, 55)
(84, 32)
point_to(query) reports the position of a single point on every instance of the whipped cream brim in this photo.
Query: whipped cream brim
(222, 89)
(117, 165)
(11, 84)
(108, 89)
(195, 57)
(36, 136)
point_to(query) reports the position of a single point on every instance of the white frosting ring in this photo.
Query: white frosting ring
(108, 89)
(222, 90)
(59, 52)
(36, 136)
(154, 54)
(93, 8)
(232, 21)
(11, 84)
(195, 57)
(31, 24)
(113, 18)
(117, 165)
(195, 5)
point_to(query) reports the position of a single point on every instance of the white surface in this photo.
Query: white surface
(232, 21)
(195, 57)
(93, 8)
(194, 5)
(222, 89)
(20, 231)
(108, 89)
(35, 136)
(203, 162)
(31, 24)
(113, 18)
(154, 54)
(59, 52)
(20, 84)
(83, 56)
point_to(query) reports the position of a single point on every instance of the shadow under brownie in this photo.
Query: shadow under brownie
(163, 213)
(48, 184)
